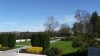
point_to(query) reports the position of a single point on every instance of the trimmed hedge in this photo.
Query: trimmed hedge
(11, 41)
(4, 39)
(7, 39)
(35, 41)
(40, 40)
(44, 40)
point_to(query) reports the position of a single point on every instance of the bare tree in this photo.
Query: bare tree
(64, 30)
(51, 24)
(77, 28)
(82, 16)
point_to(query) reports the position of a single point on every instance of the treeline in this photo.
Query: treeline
(28, 35)
(87, 24)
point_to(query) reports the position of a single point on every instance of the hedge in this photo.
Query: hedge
(4, 39)
(40, 40)
(7, 39)
(11, 41)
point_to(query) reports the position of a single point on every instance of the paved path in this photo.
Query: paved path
(15, 50)
(54, 40)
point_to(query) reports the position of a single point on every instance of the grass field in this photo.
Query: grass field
(65, 46)
(17, 46)
(24, 43)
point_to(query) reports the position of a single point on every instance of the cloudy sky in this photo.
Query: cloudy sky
(30, 15)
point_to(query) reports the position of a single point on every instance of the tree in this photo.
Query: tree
(82, 17)
(99, 26)
(94, 22)
(50, 25)
(64, 30)
(77, 28)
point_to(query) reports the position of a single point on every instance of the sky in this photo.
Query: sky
(30, 15)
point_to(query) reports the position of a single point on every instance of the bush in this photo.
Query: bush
(35, 40)
(4, 39)
(56, 50)
(0, 45)
(44, 40)
(63, 39)
(34, 50)
(66, 39)
(48, 52)
(11, 41)
(41, 40)
(4, 48)
(76, 42)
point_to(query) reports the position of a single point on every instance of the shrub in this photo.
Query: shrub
(34, 50)
(56, 50)
(4, 48)
(11, 41)
(63, 39)
(35, 40)
(0, 46)
(76, 42)
(66, 39)
(4, 39)
(48, 52)
(41, 40)
(44, 40)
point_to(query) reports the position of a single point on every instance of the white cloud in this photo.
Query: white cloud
(69, 18)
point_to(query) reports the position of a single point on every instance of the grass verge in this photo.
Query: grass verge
(18, 47)
(24, 43)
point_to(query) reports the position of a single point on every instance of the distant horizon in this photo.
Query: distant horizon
(30, 15)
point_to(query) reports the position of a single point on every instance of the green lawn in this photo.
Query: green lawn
(18, 46)
(24, 43)
(65, 46)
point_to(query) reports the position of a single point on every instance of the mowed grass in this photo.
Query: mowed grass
(18, 46)
(24, 43)
(65, 46)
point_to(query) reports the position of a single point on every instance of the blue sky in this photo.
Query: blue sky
(30, 15)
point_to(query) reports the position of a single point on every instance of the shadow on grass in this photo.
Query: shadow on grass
(70, 54)
(84, 53)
